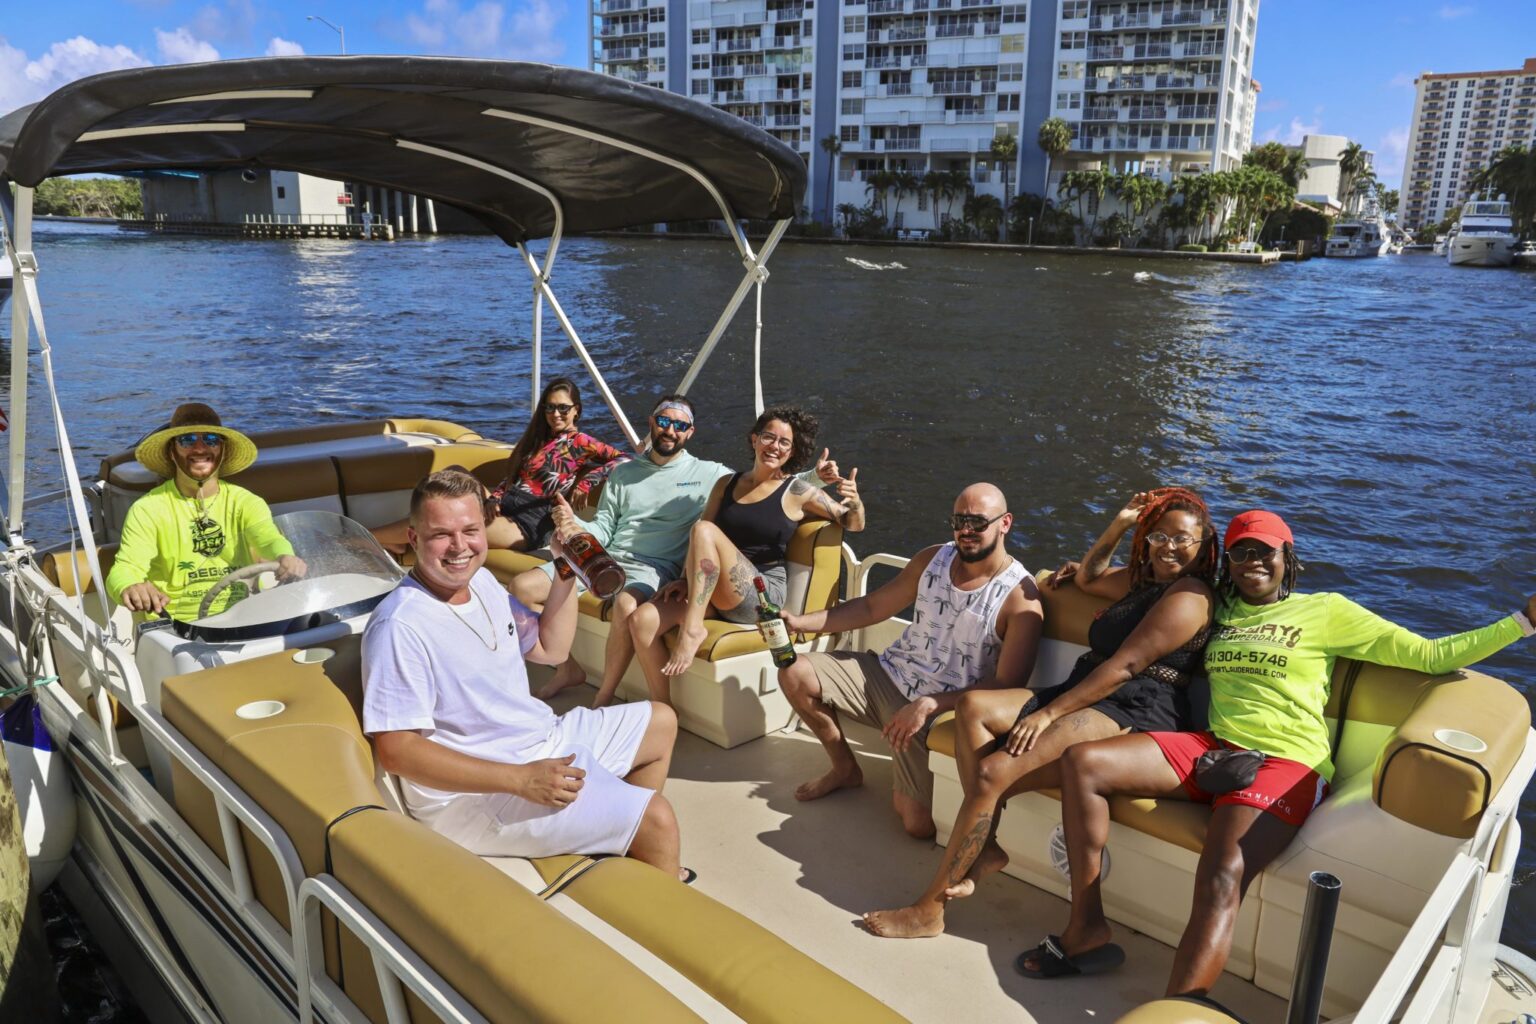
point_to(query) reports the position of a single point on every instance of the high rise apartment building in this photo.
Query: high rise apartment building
(1160, 86)
(1461, 122)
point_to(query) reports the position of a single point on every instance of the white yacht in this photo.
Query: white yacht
(1358, 238)
(1525, 255)
(230, 836)
(1485, 237)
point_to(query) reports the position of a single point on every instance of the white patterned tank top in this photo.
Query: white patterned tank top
(952, 641)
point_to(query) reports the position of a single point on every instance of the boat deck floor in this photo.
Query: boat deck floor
(807, 871)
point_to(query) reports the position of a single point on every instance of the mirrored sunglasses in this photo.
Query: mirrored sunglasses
(668, 423)
(190, 440)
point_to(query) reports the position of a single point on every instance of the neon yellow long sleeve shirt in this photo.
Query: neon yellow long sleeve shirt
(163, 544)
(1270, 667)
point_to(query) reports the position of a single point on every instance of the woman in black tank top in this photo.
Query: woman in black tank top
(1142, 653)
(743, 534)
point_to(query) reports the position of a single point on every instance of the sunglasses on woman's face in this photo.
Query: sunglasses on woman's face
(191, 440)
(558, 408)
(1238, 554)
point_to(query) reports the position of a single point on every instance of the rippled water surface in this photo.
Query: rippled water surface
(1387, 408)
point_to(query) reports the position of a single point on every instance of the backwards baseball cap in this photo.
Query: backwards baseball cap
(1258, 525)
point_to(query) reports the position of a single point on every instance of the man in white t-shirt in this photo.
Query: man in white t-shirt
(446, 702)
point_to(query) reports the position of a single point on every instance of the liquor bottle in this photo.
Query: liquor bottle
(586, 559)
(771, 624)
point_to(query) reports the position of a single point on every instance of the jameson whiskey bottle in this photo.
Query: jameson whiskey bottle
(586, 559)
(771, 624)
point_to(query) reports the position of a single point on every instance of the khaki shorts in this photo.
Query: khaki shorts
(857, 685)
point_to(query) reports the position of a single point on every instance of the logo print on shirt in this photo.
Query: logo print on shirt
(207, 536)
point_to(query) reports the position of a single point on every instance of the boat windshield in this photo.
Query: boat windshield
(346, 574)
(1488, 210)
(1346, 230)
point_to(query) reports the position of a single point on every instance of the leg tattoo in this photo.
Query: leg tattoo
(705, 579)
(742, 574)
(969, 848)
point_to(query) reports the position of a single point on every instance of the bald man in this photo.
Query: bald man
(976, 623)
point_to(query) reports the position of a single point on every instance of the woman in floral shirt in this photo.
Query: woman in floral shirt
(553, 457)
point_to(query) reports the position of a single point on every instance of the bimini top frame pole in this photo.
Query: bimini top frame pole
(18, 222)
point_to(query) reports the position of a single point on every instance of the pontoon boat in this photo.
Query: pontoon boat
(241, 853)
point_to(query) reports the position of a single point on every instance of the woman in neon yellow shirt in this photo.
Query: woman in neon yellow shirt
(1269, 660)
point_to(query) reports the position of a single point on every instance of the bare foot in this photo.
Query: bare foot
(989, 861)
(687, 645)
(834, 780)
(918, 922)
(570, 673)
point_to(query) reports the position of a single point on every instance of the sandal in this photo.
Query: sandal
(689, 876)
(1052, 961)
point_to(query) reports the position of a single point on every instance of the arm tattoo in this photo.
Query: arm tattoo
(969, 849)
(798, 487)
(705, 579)
(831, 509)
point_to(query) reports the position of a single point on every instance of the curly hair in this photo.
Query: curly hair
(1159, 503)
(1293, 568)
(801, 424)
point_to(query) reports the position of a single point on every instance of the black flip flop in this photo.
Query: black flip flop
(689, 876)
(1053, 961)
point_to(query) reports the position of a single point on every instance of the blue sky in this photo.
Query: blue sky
(1344, 67)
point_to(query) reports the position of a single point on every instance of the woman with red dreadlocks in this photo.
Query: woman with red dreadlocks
(1135, 676)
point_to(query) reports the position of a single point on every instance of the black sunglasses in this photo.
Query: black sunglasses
(189, 440)
(559, 408)
(972, 524)
(1238, 554)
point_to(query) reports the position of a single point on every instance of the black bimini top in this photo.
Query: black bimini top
(612, 153)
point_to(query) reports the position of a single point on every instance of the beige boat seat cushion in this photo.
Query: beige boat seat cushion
(1177, 1010)
(512, 956)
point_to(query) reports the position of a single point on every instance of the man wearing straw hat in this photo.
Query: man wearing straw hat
(191, 531)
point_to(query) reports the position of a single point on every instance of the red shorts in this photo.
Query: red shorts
(1287, 789)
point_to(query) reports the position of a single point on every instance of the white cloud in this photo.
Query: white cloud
(280, 47)
(24, 80)
(527, 30)
(1449, 13)
(1390, 154)
(1271, 134)
(182, 47)
(1401, 80)
(1299, 128)
(233, 22)
(1270, 106)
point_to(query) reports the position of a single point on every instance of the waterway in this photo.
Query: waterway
(1387, 408)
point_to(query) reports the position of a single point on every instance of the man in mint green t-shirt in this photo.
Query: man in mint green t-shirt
(644, 520)
(194, 529)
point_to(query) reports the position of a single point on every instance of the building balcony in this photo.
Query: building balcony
(1147, 114)
(951, 145)
(1101, 114)
(612, 31)
(1129, 21)
(964, 4)
(899, 89)
(1199, 49)
(965, 88)
(1197, 112)
(618, 6)
(895, 145)
(1106, 53)
(756, 120)
(1151, 51)
(621, 53)
(1182, 17)
(738, 45)
(789, 14)
(887, 7)
(784, 43)
(738, 70)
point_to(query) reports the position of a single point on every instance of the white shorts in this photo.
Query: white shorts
(602, 819)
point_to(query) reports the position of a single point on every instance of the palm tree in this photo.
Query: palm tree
(1071, 187)
(986, 212)
(1005, 150)
(960, 184)
(876, 185)
(1055, 138)
(847, 211)
(1351, 162)
(903, 183)
(832, 146)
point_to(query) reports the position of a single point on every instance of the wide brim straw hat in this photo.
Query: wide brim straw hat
(195, 418)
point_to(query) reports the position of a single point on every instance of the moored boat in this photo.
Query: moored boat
(1360, 238)
(1485, 235)
(219, 764)
(1525, 255)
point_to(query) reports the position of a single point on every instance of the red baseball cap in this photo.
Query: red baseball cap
(1258, 525)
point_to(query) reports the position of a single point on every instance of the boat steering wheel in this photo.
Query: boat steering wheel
(238, 576)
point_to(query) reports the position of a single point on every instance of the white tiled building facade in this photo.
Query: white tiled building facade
(1461, 122)
(1162, 86)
